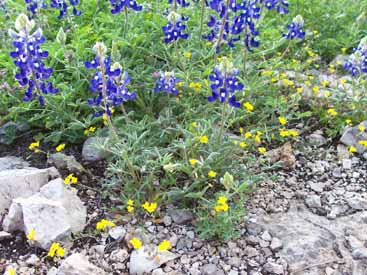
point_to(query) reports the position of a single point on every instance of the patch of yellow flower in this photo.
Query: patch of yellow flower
(349, 122)
(287, 133)
(204, 139)
(188, 55)
(316, 89)
(212, 174)
(282, 120)
(332, 112)
(363, 142)
(70, 179)
(56, 250)
(34, 146)
(10, 271)
(195, 86)
(150, 207)
(299, 89)
(352, 149)
(193, 162)
(130, 206)
(248, 134)
(243, 144)
(31, 235)
(136, 243)
(89, 130)
(60, 147)
(262, 150)
(361, 128)
(222, 205)
(103, 224)
(164, 246)
(288, 83)
(248, 106)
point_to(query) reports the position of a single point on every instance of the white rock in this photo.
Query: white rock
(5, 235)
(117, 232)
(93, 149)
(22, 183)
(9, 163)
(347, 164)
(77, 264)
(53, 213)
(147, 258)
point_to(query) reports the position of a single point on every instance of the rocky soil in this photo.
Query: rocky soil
(311, 220)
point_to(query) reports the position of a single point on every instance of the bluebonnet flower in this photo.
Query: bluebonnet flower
(295, 29)
(118, 5)
(28, 57)
(357, 62)
(225, 83)
(167, 83)
(34, 5)
(280, 5)
(62, 6)
(175, 27)
(109, 85)
(182, 3)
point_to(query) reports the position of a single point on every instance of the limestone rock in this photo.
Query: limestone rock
(10, 162)
(352, 135)
(62, 161)
(77, 264)
(24, 182)
(92, 150)
(147, 258)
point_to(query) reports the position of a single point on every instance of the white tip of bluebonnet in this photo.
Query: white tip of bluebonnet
(22, 23)
(100, 49)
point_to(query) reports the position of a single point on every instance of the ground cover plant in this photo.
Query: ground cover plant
(186, 97)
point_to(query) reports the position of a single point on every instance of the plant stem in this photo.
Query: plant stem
(126, 22)
(202, 17)
(286, 50)
(244, 54)
(221, 129)
(222, 29)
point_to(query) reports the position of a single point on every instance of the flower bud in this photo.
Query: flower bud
(23, 24)
(61, 37)
(100, 49)
(115, 53)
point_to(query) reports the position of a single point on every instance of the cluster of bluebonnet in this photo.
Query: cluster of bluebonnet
(109, 82)
(295, 29)
(357, 62)
(176, 25)
(28, 57)
(233, 20)
(167, 83)
(34, 5)
(63, 5)
(224, 83)
(119, 5)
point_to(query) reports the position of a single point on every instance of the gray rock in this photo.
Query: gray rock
(209, 269)
(54, 213)
(62, 161)
(274, 268)
(181, 216)
(22, 183)
(317, 186)
(306, 236)
(33, 260)
(317, 138)
(93, 149)
(251, 252)
(167, 220)
(343, 152)
(352, 135)
(347, 164)
(119, 256)
(357, 202)
(313, 201)
(77, 264)
(117, 232)
(5, 235)
(276, 244)
(148, 258)
(358, 248)
(9, 163)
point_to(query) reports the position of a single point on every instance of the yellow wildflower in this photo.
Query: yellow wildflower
(299, 89)
(243, 144)
(10, 271)
(262, 150)
(361, 128)
(363, 142)
(60, 147)
(325, 83)
(307, 83)
(57, 250)
(136, 243)
(89, 130)
(193, 162)
(283, 132)
(164, 245)
(248, 106)
(316, 89)
(288, 83)
(196, 86)
(352, 149)
(212, 174)
(282, 120)
(343, 81)
(34, 146)
(204, 139)
(70, 179)
(348, 121)
(344, 50)
(332, 112)
(130, 206)
(187, 55)
(248, 134)
(194, 124)
(222, 200)
(103, 224)
(293, 133)
(221, 205)
(31, 235)
(149, 207)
